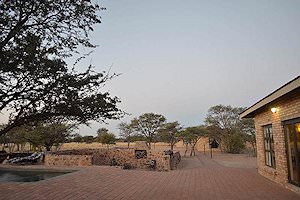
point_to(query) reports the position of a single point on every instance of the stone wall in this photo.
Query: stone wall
(68, 160)
(127, 157)
(117, 156)
(175, 160)
(288, 108)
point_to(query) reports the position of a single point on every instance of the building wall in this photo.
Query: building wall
(288, 108)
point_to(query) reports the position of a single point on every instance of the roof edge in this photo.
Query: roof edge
(286, 88)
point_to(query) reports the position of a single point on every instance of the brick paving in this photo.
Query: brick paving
(205, 179)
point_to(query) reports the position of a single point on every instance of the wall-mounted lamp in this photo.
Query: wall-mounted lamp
(298, 128)
(274, 110)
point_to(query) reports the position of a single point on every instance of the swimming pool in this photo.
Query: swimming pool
(22, 175)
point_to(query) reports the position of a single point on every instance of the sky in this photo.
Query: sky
(179, 58)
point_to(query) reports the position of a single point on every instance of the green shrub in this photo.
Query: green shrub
(234, 143)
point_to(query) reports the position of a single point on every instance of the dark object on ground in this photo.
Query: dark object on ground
(140, 154)
(214, 144)
(3, 152)
(113, 162)
(168, 152)
(152, 164)
(127, 166)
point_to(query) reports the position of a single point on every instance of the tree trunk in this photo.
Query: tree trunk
(22, 147)
(11, 147)
(254, 149)
(172, 146)
(128, 144)
(149, 144)
(48, 148)
(192, 150)
(186, 149)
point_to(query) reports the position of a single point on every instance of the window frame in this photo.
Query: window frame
(269, 152)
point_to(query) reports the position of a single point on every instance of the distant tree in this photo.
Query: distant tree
(234, 143)
(107, 138)
(16, 137)
(8, 141)
(191, 135)
(126, 132)
(185, 137)
(225, 124)
(101, 131)
(215, 133)
(88, 139)
(169, 133)
(248, 130)
(138, 137)
(224, 117)
(76, 138)
(36, 83)
(48, 134)
(148, 125)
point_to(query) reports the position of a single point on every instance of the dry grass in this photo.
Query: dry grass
(160, 146)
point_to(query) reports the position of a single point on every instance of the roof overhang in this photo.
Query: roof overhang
(289, 87)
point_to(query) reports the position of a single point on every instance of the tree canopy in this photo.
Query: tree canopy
(101, 131)
(226, 126)
(169, 133)
(107, 138)
(48, 135)
(191, 135)
(41, 135)
(148, 125)
(126, 132)
(36, 83)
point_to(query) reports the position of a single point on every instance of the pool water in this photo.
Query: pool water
(9, 175)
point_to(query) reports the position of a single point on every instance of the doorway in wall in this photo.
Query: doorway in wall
(292, 132)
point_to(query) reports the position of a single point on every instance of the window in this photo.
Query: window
(269, 146)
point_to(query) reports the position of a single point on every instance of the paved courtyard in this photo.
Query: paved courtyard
(198, 178)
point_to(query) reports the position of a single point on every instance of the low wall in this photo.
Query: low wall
(127, 157)
(119, 157)
(68, 160)
(175, 160)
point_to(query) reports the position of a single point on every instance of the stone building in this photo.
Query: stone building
(277, 124)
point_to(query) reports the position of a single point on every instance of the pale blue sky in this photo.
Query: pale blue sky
(178, 58)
